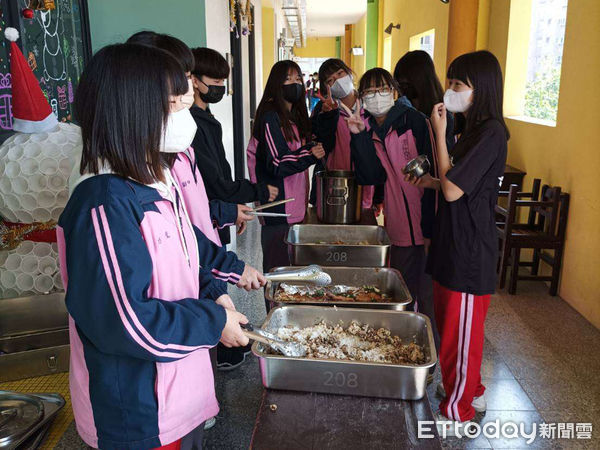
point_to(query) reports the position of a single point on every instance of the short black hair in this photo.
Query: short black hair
(481, 70)
(376, 77)
(122, 105)
(210, 63)
(171, 44)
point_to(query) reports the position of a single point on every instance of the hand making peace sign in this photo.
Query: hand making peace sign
(355, 121)
(329, 103)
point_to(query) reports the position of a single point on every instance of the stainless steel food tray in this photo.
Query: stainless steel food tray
(389, 281)
(304, 245)
(407, 382)
(53, 403)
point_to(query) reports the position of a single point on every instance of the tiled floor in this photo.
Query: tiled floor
(541, 364)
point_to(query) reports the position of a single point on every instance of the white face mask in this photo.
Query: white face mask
(379, 105)
(342, 87)
(179, 132)
(457, 102)
(188, 98)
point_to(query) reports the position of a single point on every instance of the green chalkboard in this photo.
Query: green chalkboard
(56, 45)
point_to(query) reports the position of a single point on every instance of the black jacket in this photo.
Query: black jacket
(216, 171)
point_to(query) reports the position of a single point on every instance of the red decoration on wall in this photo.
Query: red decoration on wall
(27, 13)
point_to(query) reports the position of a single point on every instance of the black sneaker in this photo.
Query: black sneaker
(230, 358)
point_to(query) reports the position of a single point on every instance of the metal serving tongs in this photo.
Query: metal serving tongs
(270, 205)
(312, 274)
(259, 213)
(291, 349)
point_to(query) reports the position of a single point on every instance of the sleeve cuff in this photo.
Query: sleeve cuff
(263, 192)
(215, 289)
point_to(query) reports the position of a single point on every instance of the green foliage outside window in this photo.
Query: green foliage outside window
(541, 95)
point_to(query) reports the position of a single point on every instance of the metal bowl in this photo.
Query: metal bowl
(417, 167)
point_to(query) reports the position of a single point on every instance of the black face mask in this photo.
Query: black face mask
(293, 92)
(214, 94)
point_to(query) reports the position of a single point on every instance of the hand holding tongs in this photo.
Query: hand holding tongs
(255, 211)
(290, 349)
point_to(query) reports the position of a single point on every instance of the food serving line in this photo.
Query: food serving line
(334, 403)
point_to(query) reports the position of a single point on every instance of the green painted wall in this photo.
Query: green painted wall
(372, 38)
(338, 47)
(114, 21)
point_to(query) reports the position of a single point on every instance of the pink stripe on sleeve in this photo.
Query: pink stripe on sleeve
(271, 143)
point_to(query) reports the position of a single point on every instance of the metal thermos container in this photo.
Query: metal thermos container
(339, 197)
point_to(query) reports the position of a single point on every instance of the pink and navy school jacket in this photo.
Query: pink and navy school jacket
(208, 216)
(140, 374)
(283, 164)
(331, 128)
(379, 155)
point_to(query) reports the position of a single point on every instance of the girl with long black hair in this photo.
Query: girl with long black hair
(419, 83)
(280, 154)
(463, 254)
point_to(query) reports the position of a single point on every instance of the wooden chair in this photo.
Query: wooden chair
(545, 230)
(501, 219)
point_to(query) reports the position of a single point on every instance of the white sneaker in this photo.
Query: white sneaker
(479, 404)
(447, 427)
(210, 423)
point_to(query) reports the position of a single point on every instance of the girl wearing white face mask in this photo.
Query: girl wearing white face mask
(383, 142)
(330, 125)
(131, 262)
(464, 249)
(212, 217)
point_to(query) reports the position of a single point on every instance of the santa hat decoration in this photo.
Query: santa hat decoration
(31, 111)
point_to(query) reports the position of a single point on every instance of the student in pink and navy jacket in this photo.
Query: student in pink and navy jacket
(391, 134)
(213, 218)
(280, 154)
(329, 122)
(130, 261)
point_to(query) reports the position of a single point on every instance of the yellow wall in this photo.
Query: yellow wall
(317, 47)
(416, 17)
(268, 42)
(517, 52)
(566, 155)
(359, 38)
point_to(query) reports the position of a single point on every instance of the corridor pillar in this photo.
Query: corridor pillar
(462, 28)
